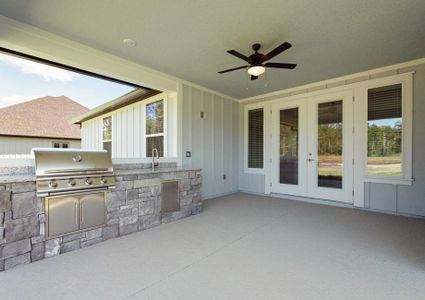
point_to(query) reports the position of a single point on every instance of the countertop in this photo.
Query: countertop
(15, 178)
(149, 171)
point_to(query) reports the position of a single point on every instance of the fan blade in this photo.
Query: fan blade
(280, 65)
(253, 77)
(234, 69)
(277, 51)
(239, 55)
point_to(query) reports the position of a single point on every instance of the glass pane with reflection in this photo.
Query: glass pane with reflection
(384, 131)
(329, 144)
(289, 146)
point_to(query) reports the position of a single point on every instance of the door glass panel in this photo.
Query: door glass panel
(288, 148)
(329, 144)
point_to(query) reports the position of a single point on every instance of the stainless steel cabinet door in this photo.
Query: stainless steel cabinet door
(92, 210)
(63, 215)
(170, 196)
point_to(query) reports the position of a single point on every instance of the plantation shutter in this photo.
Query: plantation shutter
(255, 138)
(384, 102)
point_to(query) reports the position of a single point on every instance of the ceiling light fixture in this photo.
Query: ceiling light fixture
(256, 70)
(129, 42)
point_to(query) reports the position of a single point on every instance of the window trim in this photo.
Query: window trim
(246, 115)
(112, 129)
(164, 134)
(112, 132)
(406, 81)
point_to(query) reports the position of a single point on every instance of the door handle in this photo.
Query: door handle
(310, 159)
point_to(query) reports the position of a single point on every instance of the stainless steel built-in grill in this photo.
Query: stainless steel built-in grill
(74, 183)
(70, 170)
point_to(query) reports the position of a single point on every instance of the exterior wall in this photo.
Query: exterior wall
(23, 145)
(133, 206)
(127, 130)
(392, 198)
(16, 151)
(212, 140)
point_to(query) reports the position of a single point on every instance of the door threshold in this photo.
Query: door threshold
(313, 200)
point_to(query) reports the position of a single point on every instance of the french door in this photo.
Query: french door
(312, 150)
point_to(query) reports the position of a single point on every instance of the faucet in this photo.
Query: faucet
(154, 164)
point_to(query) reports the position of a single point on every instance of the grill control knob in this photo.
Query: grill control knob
(88, 181)
(103, 180)
(53, 184)
(71, 182)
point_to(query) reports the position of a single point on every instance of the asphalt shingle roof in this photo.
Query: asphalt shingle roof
(43, 117)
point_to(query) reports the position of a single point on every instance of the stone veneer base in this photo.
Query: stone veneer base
(134, 205)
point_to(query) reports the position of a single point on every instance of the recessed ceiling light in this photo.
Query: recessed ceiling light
(129, 42)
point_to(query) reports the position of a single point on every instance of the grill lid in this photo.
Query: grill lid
(62, 162)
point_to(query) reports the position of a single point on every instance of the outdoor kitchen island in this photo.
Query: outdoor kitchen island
(134, 205)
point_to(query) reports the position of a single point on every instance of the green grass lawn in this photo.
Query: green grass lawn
(331, 165)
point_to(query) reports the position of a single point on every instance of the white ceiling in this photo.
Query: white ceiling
(189, 39)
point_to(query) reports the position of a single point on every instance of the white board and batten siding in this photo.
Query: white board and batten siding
(211, 139)
(16, 151)
(128, 127)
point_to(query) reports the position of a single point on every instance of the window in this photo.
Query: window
(288, 146)
(60, 145)
(384, 131)
(255, 138)
(155, 127)
(107, 134)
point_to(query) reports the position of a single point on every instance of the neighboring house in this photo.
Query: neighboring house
(42, 122)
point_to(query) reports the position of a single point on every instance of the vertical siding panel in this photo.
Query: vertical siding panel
(130, 132)
(124, 132)
(95, 134)
(116, 131)
(208, 144)
(235, 148)
(142, 131)
(218, 146)
(136, 123)
(227, 144)
(186, 124)
(196, 128)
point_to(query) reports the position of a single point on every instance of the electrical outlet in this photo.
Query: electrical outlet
(188, 154)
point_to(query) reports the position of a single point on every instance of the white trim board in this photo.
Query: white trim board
(347, 80)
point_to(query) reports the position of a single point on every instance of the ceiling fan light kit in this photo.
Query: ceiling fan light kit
(256, 70)
(257, 65)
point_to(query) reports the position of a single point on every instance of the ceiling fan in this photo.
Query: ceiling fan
(257, 61)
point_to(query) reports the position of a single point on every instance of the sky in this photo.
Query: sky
(23, 80)
(385, 122)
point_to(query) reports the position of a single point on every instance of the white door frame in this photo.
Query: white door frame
(307, 142)
(345, 194)
(277, 187)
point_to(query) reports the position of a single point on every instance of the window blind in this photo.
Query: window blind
(255, 138)
(384, 103)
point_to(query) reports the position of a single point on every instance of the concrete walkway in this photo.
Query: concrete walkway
(242, 247)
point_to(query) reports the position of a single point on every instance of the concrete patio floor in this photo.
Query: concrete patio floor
(242, 247)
